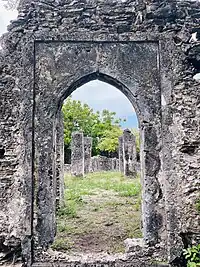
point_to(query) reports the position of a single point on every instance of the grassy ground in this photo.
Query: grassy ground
(101, 210)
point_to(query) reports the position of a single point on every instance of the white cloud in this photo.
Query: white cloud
(99, 95)
(5, 17)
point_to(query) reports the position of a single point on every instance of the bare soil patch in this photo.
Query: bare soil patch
(99, 214)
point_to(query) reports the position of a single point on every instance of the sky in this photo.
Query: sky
(5, 17)
(98, 95)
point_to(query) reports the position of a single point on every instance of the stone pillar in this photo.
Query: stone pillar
(93, 164)
(117, 164)
(87, 153)
(77, 154)
(121, 155)
(127, 153)
(130, 155)
(114, 164)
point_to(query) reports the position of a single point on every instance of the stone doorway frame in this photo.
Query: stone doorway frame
(153, 224)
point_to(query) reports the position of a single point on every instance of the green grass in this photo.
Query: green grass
(62, 244)
(101, 208)
(77, 187)
(106, 180)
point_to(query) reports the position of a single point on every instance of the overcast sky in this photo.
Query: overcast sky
(100, 95)
(96, 94)
(5, 17)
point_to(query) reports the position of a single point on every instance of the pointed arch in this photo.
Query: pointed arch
(104, 78)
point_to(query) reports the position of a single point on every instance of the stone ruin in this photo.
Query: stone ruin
(149, 50)
(82, 161)
(127, 154)
(102, 163)
(81, 151)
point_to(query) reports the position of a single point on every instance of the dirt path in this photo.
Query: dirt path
(103, 221)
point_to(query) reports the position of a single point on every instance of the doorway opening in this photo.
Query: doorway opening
(99, 184)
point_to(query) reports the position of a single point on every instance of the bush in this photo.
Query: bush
(192, 255)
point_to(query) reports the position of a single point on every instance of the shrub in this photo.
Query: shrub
(192, 255)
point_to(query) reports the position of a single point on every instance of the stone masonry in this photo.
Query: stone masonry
(87, 153)
(101, 163)
(81, 152)
(121, 154)
(149, 50)
(77, 154)
(97, 164)
(59, 162)
(127, 153)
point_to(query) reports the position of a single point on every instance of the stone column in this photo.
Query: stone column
(121, 155)
(77, 154)
(130, 155)
(87, 153)
(127, 153)
(114, 164)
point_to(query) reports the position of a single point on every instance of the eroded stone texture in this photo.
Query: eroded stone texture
(59, 161)
(81, 151)
(101, 163)
(67, 168)
(77, 154)
(121, 154)
(129, 153)
(115, 164)
(97, 164)
(87, 153)
(145, 49)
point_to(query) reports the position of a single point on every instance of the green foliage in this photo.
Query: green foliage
(73, 199)
(68, 209)
(61, 244)
(80, 117)
(109, 141)
(137, 136)
(192, 255)
(77, 117)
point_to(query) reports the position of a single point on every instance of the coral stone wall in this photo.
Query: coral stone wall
(171, 151)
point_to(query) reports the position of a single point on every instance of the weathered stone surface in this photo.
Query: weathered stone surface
(145, 49)
(77, 154)
(101, 163)
(59, 161)
(139, 258)
(67, 168)
(81, 151)
(121, 154)
(87, 153)
(129, 153)
(136, 244)
(98, 164)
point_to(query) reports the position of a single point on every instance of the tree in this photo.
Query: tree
(109, 141)
(80, 117)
